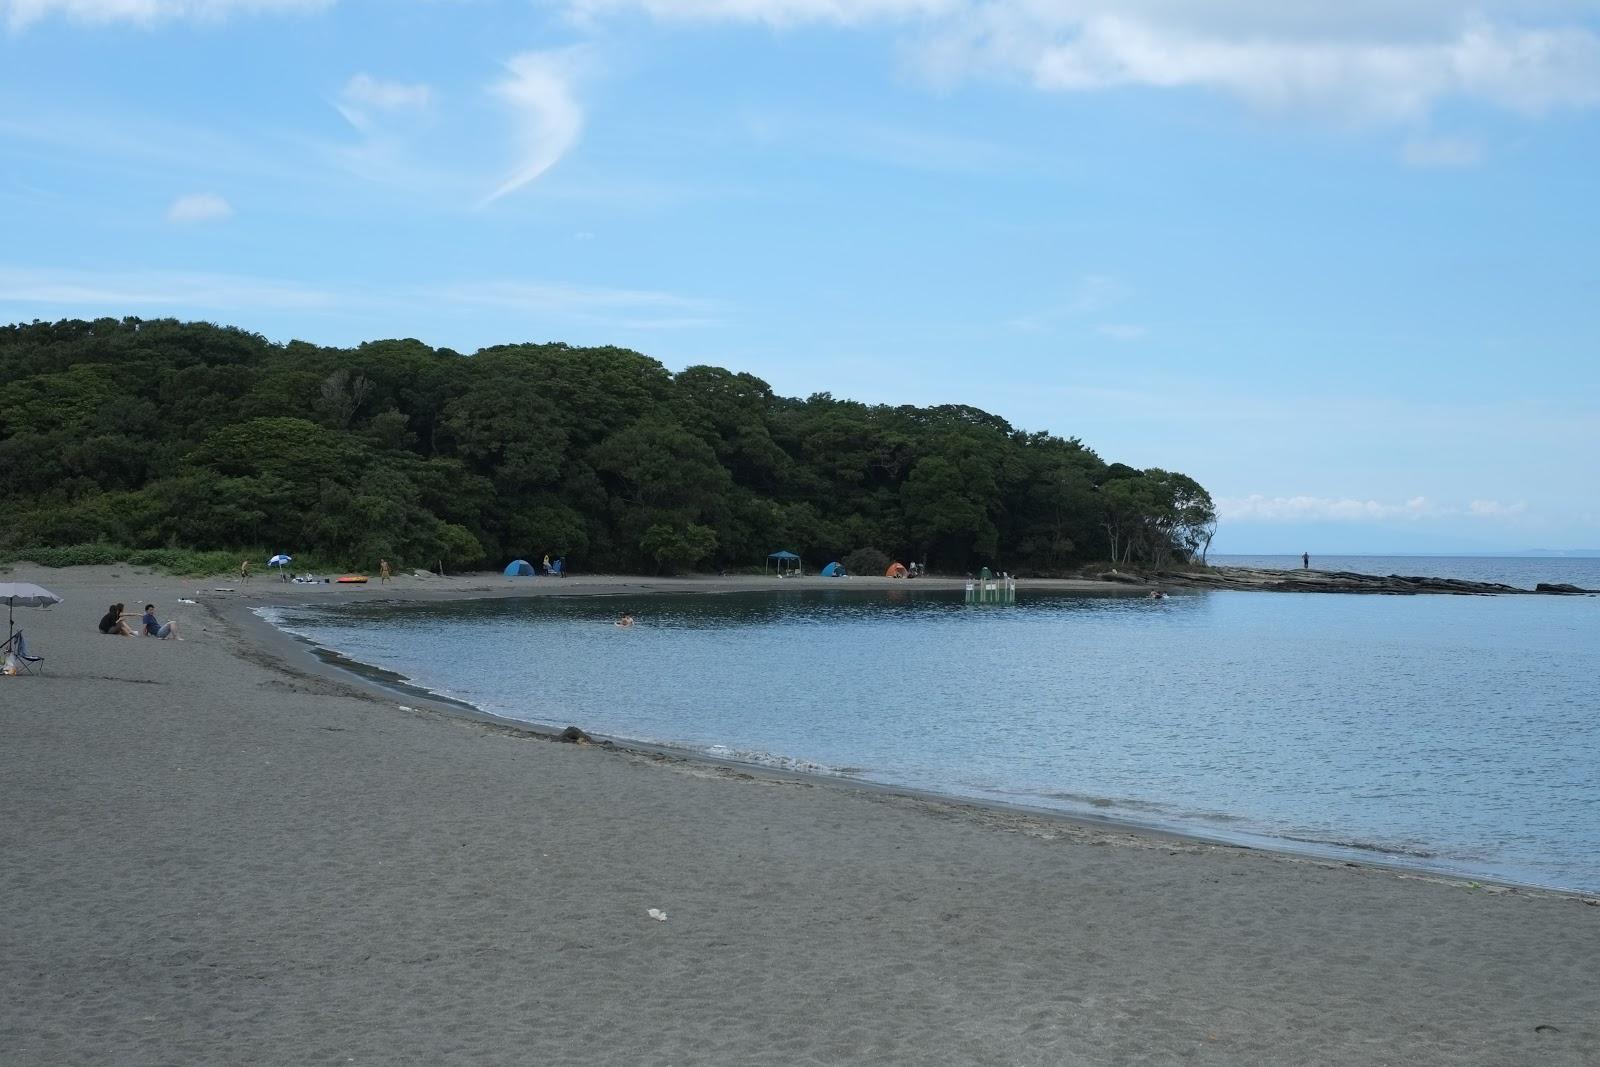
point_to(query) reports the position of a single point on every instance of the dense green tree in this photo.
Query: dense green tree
(677, 547)
(158, 433)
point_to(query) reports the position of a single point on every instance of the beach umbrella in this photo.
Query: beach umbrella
(25, 595)
(280, 560)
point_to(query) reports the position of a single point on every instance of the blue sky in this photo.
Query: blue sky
(1339, 265)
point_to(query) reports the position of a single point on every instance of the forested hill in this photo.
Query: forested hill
(151, 434)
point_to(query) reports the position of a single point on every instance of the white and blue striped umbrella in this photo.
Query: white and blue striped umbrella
(280, 560)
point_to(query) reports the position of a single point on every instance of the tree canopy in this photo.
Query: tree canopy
(159, 433)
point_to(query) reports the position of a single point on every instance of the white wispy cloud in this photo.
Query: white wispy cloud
(1365, 76)
(1494, 509)
(1359, 61)
(548, 296)
(21, 13)
(364, 99)
(199, 207)
(1122, 331)
(41, 292)
(1087, 295)
(145, 292)
(547, 116)
(629, 308)
(913, 148)
(1259, 508)
(1432, 152)
(771, 12)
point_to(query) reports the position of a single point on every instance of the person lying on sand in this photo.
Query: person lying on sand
(113, 623)
(154, 628)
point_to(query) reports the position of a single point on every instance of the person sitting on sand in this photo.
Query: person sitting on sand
(626, 620)
(154, 628)
(112, 623)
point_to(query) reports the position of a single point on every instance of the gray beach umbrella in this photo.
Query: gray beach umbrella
(23, 595)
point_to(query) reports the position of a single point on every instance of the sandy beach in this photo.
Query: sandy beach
(223, 851)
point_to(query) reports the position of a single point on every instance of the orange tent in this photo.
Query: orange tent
(896, 570)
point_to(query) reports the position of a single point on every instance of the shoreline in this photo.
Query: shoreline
(227, 851)
(387, 684)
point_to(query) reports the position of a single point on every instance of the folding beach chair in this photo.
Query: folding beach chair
(16, 651)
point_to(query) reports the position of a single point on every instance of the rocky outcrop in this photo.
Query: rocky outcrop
(1563, 589)
(1311, 581)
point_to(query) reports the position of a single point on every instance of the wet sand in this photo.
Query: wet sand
(222, 851)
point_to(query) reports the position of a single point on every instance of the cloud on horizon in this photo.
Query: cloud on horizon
(154, 293)
(1259, 508)
(150, 292)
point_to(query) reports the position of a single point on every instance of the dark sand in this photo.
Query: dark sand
(219, 852)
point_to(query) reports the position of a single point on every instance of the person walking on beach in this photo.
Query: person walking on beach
(383, 571)
(244, 570)
(154, 628)
(1305, 561)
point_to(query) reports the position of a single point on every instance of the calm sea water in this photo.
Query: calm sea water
(1525, 572)
(1454, 733)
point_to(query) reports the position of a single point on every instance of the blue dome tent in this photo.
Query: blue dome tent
(519, 568)
(834, 570)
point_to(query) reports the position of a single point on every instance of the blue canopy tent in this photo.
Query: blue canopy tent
(834, 570)
(787, 562)
(519, 568)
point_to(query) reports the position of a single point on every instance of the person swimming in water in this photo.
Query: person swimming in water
(626, 620)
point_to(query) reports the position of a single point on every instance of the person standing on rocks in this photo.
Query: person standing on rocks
(1305, 561)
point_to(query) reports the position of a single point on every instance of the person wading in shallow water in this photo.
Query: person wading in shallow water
(1305, 560)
